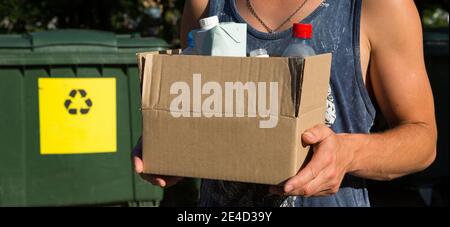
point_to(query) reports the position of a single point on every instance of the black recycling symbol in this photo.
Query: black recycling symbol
(70, 101)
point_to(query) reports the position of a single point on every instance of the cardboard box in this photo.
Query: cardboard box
(227, 118)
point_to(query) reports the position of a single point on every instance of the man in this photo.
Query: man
(378, 63)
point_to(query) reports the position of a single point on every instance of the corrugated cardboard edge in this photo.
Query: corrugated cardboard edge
(313, 104)
(315, 84)
(141, 59)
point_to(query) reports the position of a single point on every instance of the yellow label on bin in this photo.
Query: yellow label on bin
(77, 115)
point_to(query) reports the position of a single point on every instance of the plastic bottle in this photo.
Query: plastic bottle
(259, 53)
(206, 24)
(301, 46)
(190, 50)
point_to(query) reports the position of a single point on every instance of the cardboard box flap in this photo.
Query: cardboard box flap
(296, 69)
(142, 56)
(314, 84)
(219, 80)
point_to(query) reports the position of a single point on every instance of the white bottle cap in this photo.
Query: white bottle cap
(209, 22)
(260, 53)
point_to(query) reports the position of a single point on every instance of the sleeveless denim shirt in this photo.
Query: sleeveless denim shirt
(336, 30)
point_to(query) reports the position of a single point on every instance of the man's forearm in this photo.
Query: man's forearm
(400, 151)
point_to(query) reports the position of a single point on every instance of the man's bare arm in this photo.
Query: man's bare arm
(403, 92)
(193, 11)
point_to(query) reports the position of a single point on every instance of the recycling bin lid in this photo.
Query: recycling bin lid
(74, 46)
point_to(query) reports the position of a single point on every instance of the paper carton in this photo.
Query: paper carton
(226, 39)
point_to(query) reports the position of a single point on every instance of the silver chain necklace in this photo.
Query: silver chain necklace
(252, 10)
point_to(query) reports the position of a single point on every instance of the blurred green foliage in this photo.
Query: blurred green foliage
(434, 13)
(147, 17)
(435, 18)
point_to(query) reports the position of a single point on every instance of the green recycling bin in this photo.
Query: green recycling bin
(69, 118)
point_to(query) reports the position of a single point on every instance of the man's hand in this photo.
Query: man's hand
(401, 88)
(161, 181)
(324, 173)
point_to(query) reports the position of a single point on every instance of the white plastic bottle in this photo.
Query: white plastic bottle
(259, 53)
(190, 50)
(301, 46)
(206, 24)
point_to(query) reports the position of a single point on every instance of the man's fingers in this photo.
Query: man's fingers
(321, 185)
(316, 134)
(171, 181)
(161, 181)
(150, 179)
(315, 186)
(302, 178)
(138, 165)
(167, 181)
(155, 180)
(139, 169)
(314, 168)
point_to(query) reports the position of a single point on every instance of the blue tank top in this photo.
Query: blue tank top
(336, 26)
